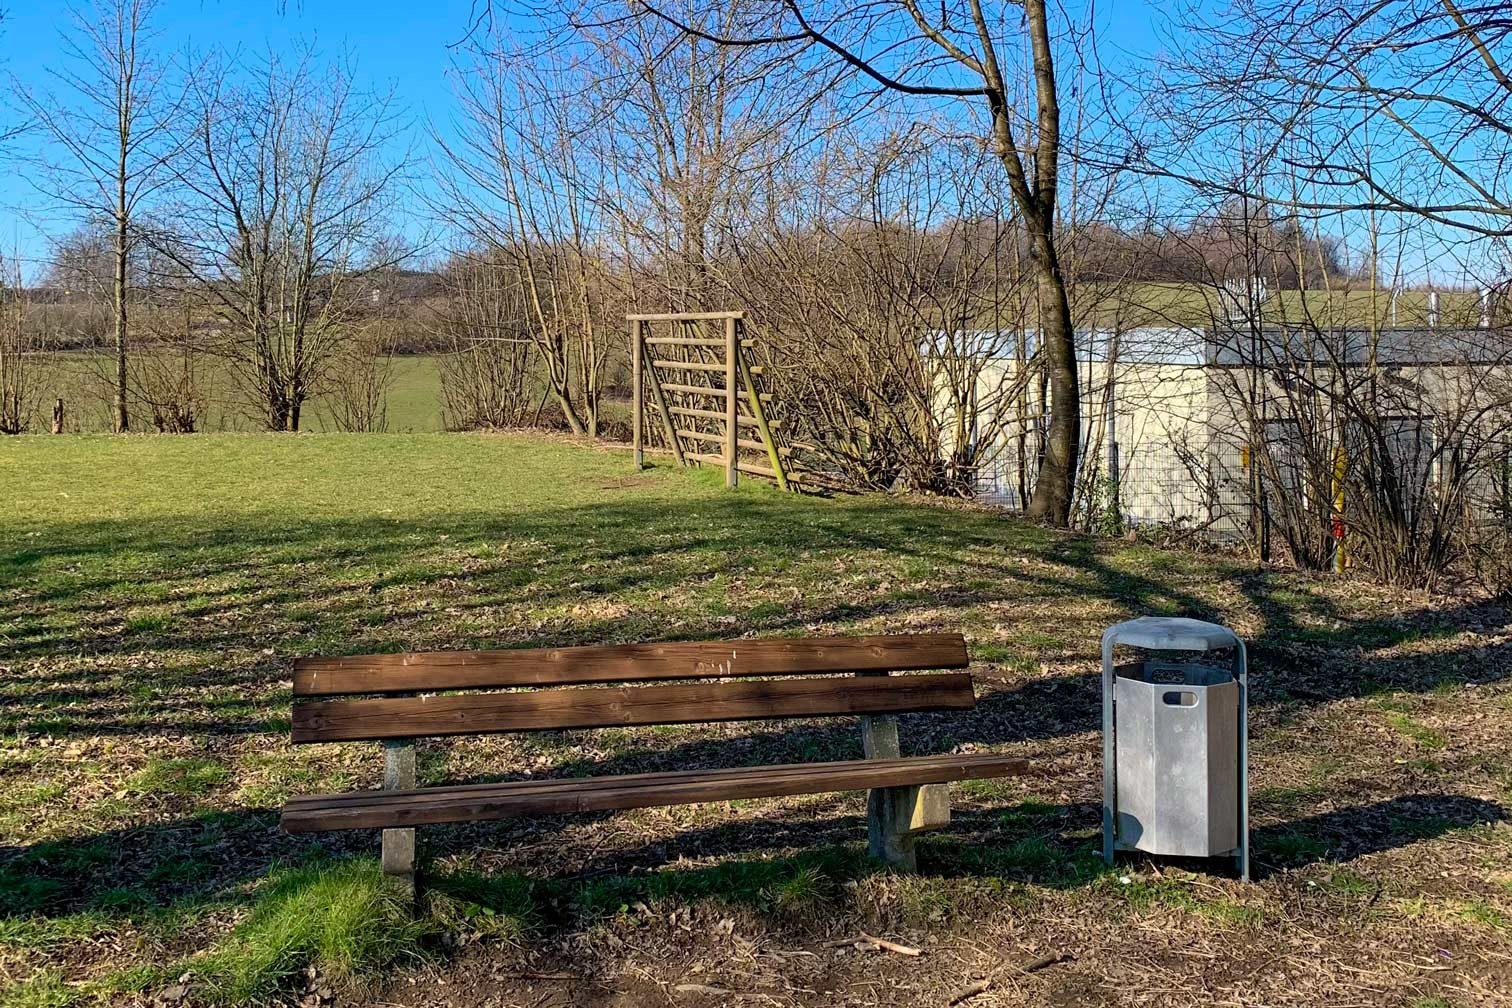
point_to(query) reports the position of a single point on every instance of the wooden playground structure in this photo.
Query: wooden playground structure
(705, 390)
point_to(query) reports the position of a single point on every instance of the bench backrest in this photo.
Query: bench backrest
(846, 675)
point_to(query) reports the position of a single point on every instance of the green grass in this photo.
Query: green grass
(189, 776)
(154, 591)
(1428, 738)
(343, 919)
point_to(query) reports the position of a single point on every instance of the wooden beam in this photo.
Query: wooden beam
(611, 663)
(743, 420)
(704, 390)
(732, 363)
(687, 366)
(484, 802)
(625, 706)
(667, 425)
(765, 429)
(638, 407)
(719, 439)
(687, 316)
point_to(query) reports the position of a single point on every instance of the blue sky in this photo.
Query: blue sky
(400, 43)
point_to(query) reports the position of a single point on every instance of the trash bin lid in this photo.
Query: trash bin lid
(1170, 633)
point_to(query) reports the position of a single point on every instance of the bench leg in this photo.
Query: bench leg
(895, 815)
(399, 844)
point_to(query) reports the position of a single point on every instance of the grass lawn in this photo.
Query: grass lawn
(153, 591)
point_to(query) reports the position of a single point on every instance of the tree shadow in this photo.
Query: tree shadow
(253, 594)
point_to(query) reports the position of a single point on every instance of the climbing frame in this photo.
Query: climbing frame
(704, 388)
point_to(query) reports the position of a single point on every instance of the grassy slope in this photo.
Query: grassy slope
(153, 590)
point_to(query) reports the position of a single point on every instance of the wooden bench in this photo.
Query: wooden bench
(398, 698)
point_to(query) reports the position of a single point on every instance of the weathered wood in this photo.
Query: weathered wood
(684, 341)
(398, 851)
(667, 425)
(481, 802)
(703, 390)
(638, 381)
(760, 470)
(603, 707)
(758, 413)
(703, 414)
(690, 435)
(686, 316)
(574, 666)
(732, 402)
(666, 365)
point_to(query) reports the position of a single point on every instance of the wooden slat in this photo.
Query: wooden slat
(719, 439)
(482, 802)
(691, 341)
(612, 663)
(625, 706)
(686, 316)
(703, 390)
(687, 366)
(743, 420)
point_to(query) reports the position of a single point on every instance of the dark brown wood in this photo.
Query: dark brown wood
(481, 802)
(604, 707)
(572, 666)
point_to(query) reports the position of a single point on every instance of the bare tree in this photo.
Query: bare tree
(524, 190)
(963, 55)
(113, 123)
(283, 208)
(1366, 106)
(486, 371)
(19, 386)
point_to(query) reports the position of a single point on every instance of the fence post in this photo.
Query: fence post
(732, 422)
(636, 339)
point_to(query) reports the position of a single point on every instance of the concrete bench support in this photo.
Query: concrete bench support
(894, 816)
(399, 844)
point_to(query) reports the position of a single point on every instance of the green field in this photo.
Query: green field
(84, 382)
(154, 590)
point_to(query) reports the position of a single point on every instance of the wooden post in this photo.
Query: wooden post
(732, 402)
(660, 398)
(894, 816)
(759, 414)
(399, 844)
(636, 349)
(57, 423)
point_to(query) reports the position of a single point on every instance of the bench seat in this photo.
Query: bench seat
(476, 802)
(397, 699)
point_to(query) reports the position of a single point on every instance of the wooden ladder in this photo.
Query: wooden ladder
(706, 391)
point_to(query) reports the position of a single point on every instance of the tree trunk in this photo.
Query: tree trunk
(1055, 485)
(119, 305)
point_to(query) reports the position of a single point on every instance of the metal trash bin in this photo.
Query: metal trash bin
(1175, 759)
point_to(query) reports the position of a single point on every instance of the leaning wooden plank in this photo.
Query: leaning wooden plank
(571, 666)
(481, 802)
(623, 706)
